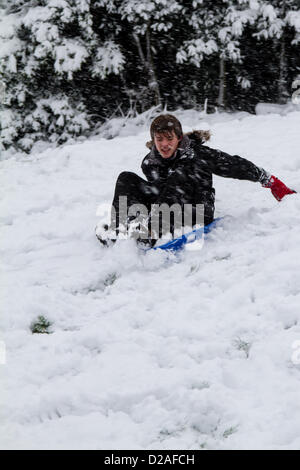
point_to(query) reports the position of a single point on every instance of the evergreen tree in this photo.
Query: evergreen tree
(217, 29)
(147, 20)
(48, 46)
(279, 20)
(67, 65)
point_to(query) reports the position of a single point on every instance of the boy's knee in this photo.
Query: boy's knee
(125, 177)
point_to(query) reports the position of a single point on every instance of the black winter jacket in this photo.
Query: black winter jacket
(197, 163)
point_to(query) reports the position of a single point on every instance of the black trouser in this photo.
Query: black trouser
(176, 190)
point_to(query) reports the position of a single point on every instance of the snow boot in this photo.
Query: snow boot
(105, 236)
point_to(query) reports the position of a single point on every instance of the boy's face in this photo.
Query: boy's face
(166, 143)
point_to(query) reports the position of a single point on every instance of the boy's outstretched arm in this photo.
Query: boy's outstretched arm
(233, 166)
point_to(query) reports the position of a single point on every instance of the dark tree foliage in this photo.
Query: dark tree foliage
(66, 68)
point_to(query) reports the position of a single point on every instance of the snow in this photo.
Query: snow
(293, 18)
(109, 59)
(274, 108)
(269, 12)
(69, 57)
(9, 43)
(151, 351)
(196, 49)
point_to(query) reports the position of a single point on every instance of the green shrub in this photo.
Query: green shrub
(40, 326)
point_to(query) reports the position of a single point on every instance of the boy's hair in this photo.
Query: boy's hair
(166, 123)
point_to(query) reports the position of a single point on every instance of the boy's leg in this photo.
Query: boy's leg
(139, 196)
(208, 201)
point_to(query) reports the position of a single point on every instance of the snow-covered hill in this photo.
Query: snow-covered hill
(151, 351)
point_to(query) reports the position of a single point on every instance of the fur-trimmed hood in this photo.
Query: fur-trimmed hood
(199, 136)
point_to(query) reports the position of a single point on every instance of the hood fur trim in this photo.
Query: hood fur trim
(201, 136)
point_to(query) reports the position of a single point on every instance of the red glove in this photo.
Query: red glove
(278, 188)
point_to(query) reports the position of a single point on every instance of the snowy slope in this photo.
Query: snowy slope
(151, 351)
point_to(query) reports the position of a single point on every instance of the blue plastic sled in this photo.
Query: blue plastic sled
(179, 243)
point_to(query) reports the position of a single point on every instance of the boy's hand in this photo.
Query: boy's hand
(278, 188)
